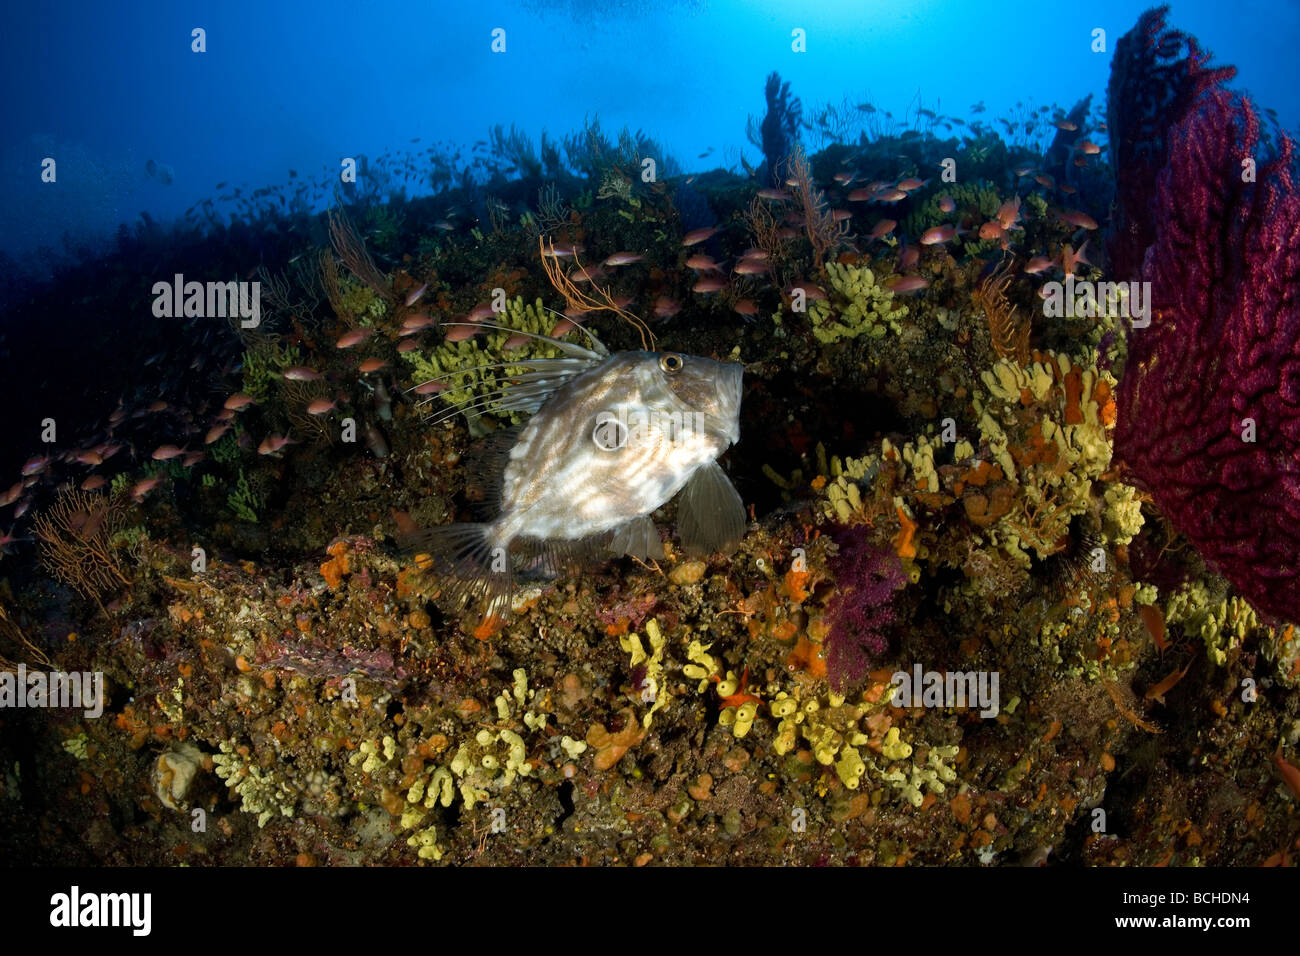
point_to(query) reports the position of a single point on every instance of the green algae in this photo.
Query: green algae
(482, 362)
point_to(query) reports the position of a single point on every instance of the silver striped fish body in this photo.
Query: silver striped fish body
(611, 438)
(616, 443)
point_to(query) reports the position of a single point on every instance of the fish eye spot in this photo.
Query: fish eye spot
(609, 434)
(671, 362)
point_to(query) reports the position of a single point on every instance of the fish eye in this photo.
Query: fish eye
(670, 362)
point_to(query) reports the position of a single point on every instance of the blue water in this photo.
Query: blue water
(106, 88)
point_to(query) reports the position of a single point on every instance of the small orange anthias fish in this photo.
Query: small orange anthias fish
(611, 438)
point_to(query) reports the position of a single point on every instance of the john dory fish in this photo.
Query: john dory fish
(611, 438)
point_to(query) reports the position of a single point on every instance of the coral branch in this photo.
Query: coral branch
(599, 301)
(780, 130)
(77, 547)
(32, 654)
(860, 612)
(1009, 332)
(824, 232)
(352, 250)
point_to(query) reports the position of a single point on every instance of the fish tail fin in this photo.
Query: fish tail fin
(467, 562)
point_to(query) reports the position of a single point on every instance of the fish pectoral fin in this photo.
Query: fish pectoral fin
(638, 538)
(465, 563)
(710, 514)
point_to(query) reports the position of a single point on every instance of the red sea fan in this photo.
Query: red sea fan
(862, 609)
(1156, 77)
(1209, 406)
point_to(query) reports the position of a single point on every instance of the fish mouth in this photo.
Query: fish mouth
(733, 372)
(730, 391)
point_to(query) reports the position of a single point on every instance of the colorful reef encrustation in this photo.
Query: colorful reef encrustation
(1014, 576)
